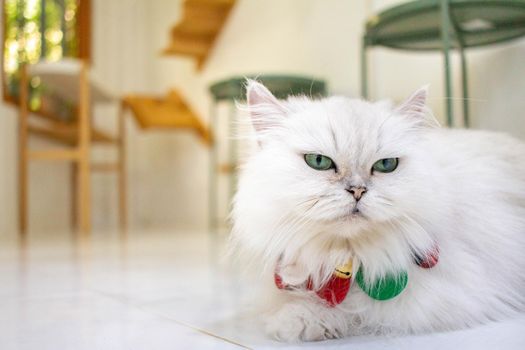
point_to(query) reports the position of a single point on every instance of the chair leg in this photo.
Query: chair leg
(122, 170)
(74, 204)
(23, 159)
(84, 196)
(84, 147)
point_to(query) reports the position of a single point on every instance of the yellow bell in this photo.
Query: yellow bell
(344, 271)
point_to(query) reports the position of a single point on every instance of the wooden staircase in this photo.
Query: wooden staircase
(195, 34)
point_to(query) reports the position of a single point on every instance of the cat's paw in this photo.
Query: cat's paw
(305, 322)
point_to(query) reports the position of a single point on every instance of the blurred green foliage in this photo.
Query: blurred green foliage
(36, 30)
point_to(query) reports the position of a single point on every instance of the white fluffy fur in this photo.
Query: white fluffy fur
(463, 189)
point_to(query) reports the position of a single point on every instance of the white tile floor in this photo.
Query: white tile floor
(157, 291)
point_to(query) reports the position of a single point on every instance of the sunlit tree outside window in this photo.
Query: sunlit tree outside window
(36, 30)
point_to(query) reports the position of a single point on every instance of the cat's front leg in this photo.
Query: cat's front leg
(299, 314)
(304, 318)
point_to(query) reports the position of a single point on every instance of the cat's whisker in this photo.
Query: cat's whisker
(276, 247)
(470, 99)
(292, 226)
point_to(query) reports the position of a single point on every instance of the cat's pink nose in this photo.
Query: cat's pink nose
(357, 192)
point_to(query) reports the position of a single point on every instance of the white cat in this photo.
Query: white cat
(343, 180)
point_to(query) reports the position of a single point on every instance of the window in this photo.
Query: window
(41, 29)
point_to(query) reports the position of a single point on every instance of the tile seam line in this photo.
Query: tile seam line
(160, 315)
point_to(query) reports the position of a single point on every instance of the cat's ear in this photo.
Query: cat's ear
(265, 109)
(416, 106)
(416, 103)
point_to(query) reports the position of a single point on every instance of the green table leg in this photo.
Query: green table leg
(212, 177)
(464, 81)
(364, 70)
(464, 84)
(445, 37)
(232, 162)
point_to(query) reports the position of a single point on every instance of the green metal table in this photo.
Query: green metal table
(444, 25)
(234, 89)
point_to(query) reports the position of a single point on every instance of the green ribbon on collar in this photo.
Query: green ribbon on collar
(384, 288)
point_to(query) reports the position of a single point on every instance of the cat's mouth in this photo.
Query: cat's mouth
(355, 214)
(352, 214)
(356, 211)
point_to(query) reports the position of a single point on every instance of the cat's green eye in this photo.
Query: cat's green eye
(386, 165)
(319, 162)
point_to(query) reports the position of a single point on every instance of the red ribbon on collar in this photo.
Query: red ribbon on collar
(334, 291)
(429, 260)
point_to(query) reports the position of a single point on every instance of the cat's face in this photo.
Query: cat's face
(336, 161)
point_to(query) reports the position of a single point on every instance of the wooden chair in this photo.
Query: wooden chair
(198, 28)
(71, 80)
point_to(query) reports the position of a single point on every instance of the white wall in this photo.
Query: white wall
(120, 46)
(498, 88)
(168, 171)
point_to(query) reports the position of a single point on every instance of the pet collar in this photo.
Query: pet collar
(335, 290)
